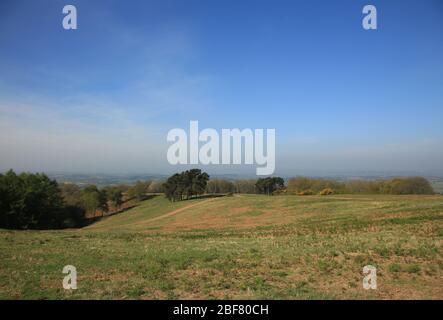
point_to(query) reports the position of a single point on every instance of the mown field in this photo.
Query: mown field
(245, 247)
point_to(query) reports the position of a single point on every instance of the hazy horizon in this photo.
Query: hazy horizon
(238, 174)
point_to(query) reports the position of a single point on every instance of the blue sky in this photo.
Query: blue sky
(103, 97)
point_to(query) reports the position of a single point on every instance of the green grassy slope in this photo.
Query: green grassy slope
(285, 247)
(136, 218)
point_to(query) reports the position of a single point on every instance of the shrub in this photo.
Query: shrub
(280, 191)
(413, 268)
(394, 268)
(326, 192)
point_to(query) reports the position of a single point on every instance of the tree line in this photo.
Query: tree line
(223, 186)
(311, 186)
(34, 201)
(194, 182)
(400, 185)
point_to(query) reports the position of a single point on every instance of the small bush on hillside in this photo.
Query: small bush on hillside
(280, 192)
(394, 268)
(413, 268)
(326, 192)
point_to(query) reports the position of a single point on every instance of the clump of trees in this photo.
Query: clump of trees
(220, 186)
(34, 201)
(139, 190)
(114, 195)
(411, 185)
(156, 186)
(30, 201)
(245, 186)
(90, 201)
(403, 185)
(94, 199)
(96, 202)
(269, 185)
(362, 186)
(307, 186)
(186, 185)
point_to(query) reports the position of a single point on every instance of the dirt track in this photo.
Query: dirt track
(178, 210)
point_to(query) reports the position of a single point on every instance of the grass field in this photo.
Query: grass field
(245, 246)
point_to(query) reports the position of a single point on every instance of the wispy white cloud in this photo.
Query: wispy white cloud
(70, 123)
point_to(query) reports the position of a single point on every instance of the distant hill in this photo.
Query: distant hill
(102, 180)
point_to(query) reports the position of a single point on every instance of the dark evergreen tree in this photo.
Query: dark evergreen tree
(269, 185)
(186, 184)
